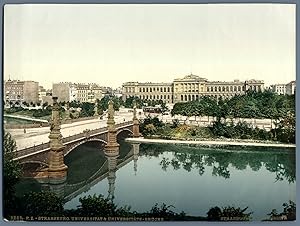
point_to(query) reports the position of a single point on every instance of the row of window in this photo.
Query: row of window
(14, 87)
(225, 88)
(209, 89)
(150, 89)
(196, 97)
(154, 97)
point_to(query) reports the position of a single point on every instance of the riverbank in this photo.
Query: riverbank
(211, 143)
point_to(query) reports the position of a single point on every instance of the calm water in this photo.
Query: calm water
(193, 179)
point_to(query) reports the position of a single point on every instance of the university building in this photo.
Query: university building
(188, 88)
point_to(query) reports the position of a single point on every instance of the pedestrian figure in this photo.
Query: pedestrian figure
(24, 130)
(124, 119)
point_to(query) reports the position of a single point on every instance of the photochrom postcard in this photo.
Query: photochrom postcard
(149, 112)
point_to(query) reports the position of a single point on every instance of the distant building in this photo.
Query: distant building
(89, 92)
(282, 89)
(291, 88)
(42, 93)
(188, 88)
(48, 97)
(21, 91)
(279, 88)
(66, 91)
(117, 92)
(148, 91)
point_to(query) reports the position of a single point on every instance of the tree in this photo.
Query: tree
(11, 174)
(87, 109)
(42, 204)
(96, 206)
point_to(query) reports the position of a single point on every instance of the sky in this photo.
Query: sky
(110, 44)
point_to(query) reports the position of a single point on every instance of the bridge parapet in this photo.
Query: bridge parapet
(46, 146)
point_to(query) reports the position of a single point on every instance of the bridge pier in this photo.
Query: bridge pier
(57, 171)
(136, 127)
(112, 146)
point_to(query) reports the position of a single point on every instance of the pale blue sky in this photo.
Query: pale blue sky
(112, 44)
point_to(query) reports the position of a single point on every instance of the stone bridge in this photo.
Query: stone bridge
(50, 156)
(39, 154)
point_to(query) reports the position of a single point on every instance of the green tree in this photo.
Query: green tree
(97, 206)
(87, 109)
(41, 204)
(11, 174)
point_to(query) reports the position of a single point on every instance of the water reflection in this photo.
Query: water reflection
(281, 162)
(80, 180)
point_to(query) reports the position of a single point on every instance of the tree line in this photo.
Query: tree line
(266, 104)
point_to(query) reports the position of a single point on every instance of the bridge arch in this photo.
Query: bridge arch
(124, 130)
(73, 146)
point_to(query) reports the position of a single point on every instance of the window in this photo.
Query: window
(168, 89)
(219, 88)
(164, 89)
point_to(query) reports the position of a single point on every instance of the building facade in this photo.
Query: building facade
(77, 91)
(21, 91)
(148, 91)
(291, 88)
(189, 88)
(89, 92)
(280, 89)
(62, 90)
